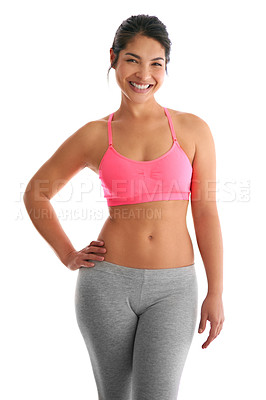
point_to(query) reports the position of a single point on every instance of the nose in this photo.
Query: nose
(143, 73)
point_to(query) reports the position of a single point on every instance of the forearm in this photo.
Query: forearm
(209, 239)
(44, 218)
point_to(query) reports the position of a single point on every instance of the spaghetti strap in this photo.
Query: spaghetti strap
(143, 179)
(171, 125)
(110, 139)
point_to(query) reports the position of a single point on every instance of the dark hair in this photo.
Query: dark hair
(141, 24)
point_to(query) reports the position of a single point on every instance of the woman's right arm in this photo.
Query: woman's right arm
(71, 157)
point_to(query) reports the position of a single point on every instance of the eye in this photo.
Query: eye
(156, 63)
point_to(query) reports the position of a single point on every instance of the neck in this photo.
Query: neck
(138, 111)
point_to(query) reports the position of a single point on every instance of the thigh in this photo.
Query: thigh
(108, 326)
(163, 338)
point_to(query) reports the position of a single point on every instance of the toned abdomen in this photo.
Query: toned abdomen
(148, 235)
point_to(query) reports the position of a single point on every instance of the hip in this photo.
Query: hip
(112, 285)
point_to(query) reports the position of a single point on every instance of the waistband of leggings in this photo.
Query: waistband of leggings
(159, 273)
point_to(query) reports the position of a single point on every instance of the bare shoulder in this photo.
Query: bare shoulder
(189, 129)
(91, 138)
(74, 154)
(192, 126)
(188, 119)
(91, 129)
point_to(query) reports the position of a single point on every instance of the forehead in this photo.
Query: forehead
(144, 47)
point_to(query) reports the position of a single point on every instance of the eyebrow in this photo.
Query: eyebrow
(135, 55)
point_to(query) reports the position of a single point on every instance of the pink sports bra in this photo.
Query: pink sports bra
(126, 181)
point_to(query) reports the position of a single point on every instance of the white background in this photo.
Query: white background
(55, 56)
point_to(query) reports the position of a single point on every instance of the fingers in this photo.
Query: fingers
(84, 264)
(90, 254)
(202, 324)
(211, 336)
(219, 329)
(96, 249)
(93, 257)
(214, 332)
(87, 264)
(91, 250)
(96, 243)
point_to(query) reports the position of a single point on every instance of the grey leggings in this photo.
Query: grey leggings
(138, 325)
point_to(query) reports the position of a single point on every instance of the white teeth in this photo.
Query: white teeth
(140, 86)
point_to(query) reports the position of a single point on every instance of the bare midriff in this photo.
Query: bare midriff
(151, 235)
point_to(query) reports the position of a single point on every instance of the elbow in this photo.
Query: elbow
(33, 193)
(28, 198)
(27, 194)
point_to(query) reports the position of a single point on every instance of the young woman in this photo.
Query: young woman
(136, 298)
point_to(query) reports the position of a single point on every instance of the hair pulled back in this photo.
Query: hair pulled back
(141, 24)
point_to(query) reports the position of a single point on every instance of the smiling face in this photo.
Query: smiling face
(140, 68)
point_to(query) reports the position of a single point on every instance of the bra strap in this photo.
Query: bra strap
(110, 140)
(171, 125)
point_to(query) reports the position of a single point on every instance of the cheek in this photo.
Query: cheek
(159, 76)
(123, 70)
(161, 73)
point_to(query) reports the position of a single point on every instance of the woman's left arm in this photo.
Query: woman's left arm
(207, 226)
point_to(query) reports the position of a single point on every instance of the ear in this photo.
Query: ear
(112, 56)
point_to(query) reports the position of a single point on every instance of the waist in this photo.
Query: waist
(161, 243)
(159, 274)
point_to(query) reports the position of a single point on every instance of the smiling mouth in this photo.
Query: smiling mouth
(140, 87)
